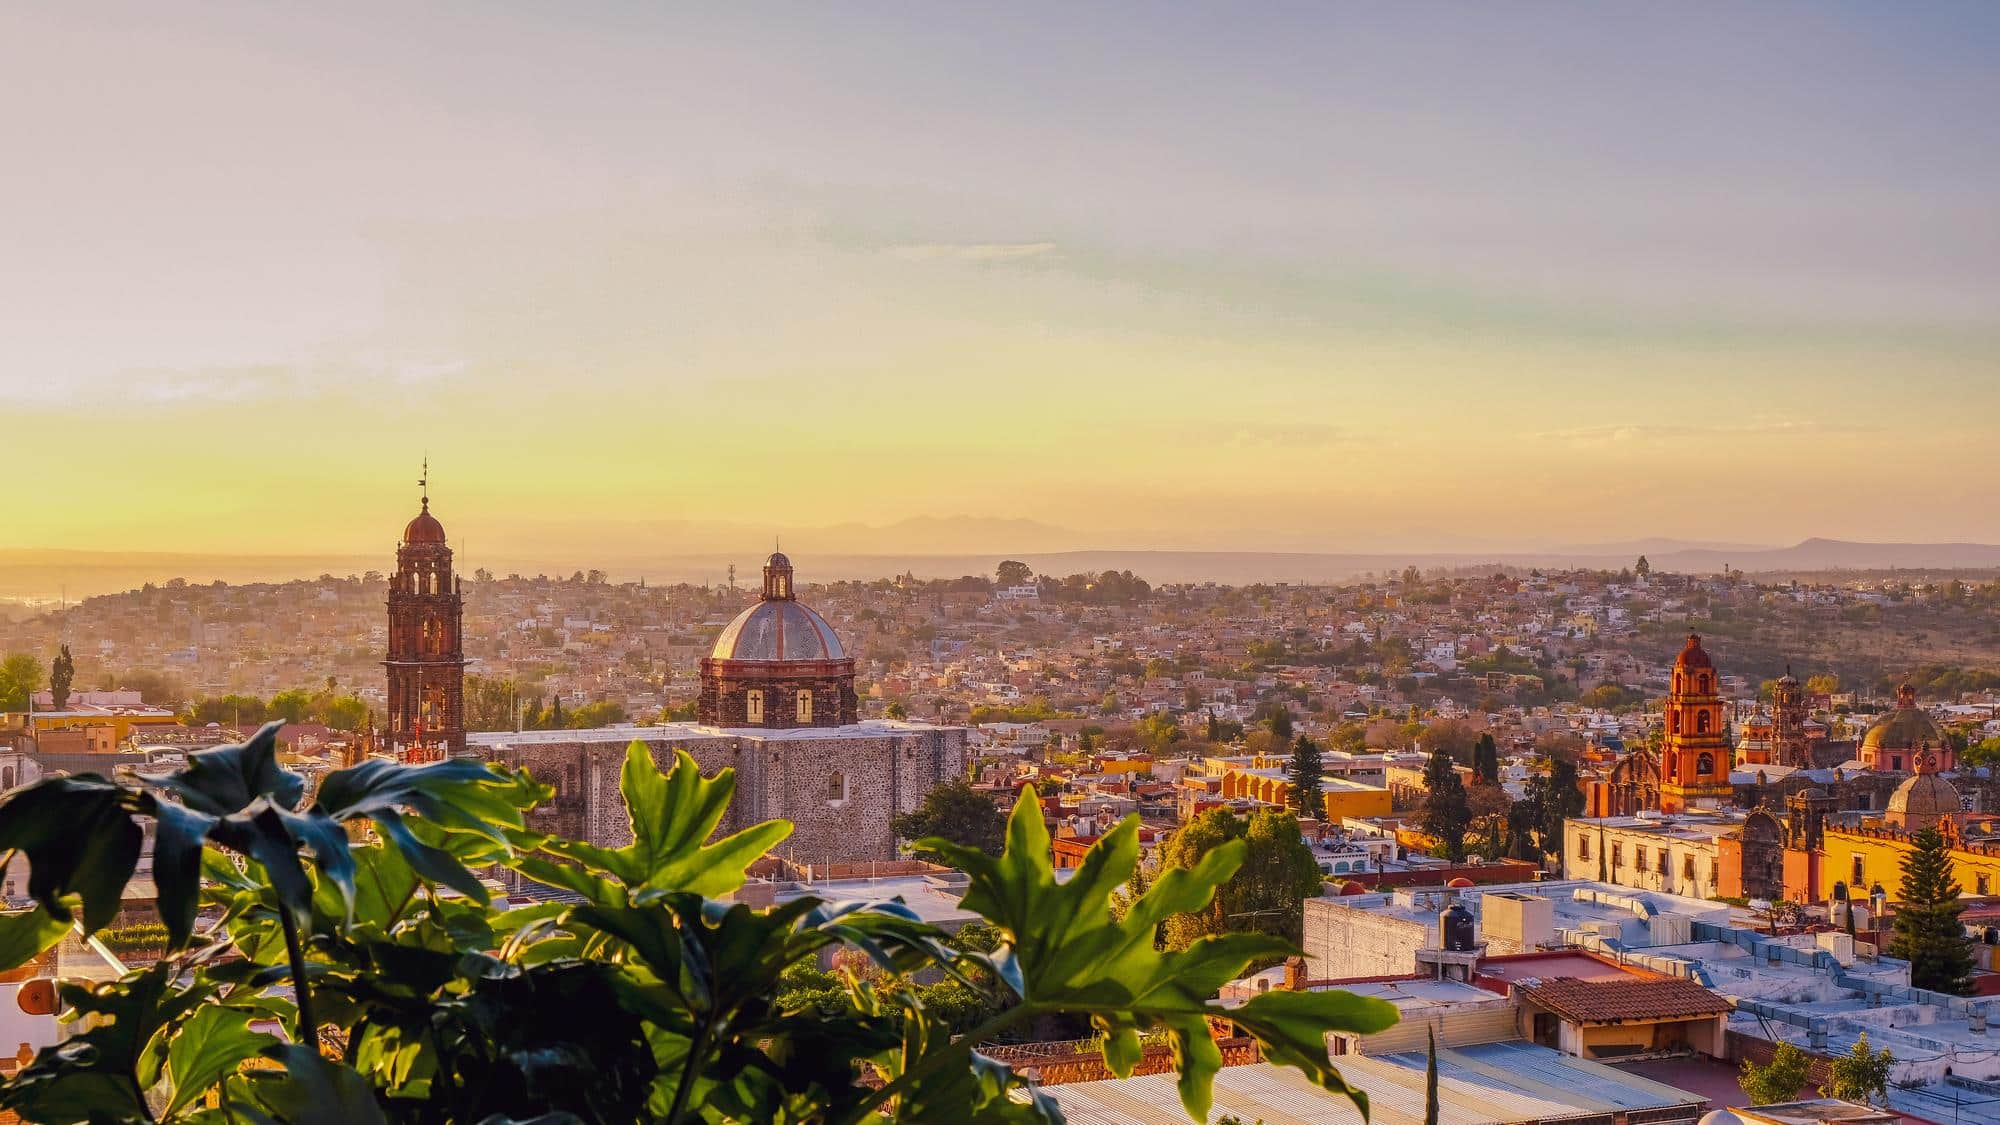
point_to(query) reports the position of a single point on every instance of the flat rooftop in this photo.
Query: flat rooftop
(689, 732)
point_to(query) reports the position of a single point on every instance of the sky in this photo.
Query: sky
(1334, 276)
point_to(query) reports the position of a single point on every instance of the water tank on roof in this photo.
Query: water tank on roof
(1455, 928)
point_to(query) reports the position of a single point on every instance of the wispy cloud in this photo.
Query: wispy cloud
(227, 383)
(971, 251)
(1638, 432)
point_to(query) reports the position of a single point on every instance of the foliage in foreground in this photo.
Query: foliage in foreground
(410, 998)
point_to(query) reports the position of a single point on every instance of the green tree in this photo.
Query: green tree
(1278, 720)
(1013, 573)
(490, 702)
(1642, 568)
(647, 996)
(590, 716)
(292, 705)
(1159, 731)
(1486, 759)
(1269, 891)
(1304, 775)
(1860, 1075)
(1563, 801)
(20, 678)
(61, 675)
(956, 812)
(1447, 812)
(1928, 933)
(896, 710)
(1778, 1080)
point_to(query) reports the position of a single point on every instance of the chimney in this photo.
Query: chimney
(1978, 1019)
(1816, 1036)
(1295, 974)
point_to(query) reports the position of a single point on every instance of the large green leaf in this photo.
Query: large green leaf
(208, 1048)
(672, 815)
(315, 1090)
(79, 837)
(227, 779)
(1071, 953)
(104, 1072)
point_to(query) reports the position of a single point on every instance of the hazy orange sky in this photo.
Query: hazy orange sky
(1346, 277)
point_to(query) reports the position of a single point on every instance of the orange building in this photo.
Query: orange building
(1695, 756)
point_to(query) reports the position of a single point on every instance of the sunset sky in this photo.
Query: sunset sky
(1336, 276)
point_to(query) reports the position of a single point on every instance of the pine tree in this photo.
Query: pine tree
(1304, 775)
(1486, 760)
(1447, 813)
(61, 675)
(1432, 1105)
(1562, 802)
(1928, 933)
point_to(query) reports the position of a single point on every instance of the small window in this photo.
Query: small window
(1662, 868)
(1674, 722)
(1701, 722)
(1617, 856)
(1639, 858)
(1704, 683)
(805, 707)
(1859, 873)
(1687, 867)
(836, 787)
(753, 706)
(1704, 766)
(1981, 885)
(1583, 847)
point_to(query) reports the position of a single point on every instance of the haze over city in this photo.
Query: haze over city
(649, 279)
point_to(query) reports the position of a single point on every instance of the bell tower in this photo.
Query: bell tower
(1695, 756)
(426, 663)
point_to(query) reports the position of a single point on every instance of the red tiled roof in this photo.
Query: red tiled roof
(1606, 1001)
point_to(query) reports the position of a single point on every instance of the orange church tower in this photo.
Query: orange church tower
(426, 662)
(1695, 757)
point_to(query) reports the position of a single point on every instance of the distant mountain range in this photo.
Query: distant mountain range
(43, 575)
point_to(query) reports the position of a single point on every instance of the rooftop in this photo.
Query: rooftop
(1612, 1001)
(682, 732)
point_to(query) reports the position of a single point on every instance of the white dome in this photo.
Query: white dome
(1719, 1117)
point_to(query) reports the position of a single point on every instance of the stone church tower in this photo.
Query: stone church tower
(426, 661)
(1695, 758)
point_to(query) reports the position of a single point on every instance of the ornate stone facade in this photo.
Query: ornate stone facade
(426, 663)
(1695, 756)
(838, 786)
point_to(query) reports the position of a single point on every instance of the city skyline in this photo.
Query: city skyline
(1388, 280)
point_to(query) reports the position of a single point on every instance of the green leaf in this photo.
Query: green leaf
(316, 1091)
(227, 779)
(26, 934)
(178, 838)
(208, 1048)
(79, 837)
(671, 815)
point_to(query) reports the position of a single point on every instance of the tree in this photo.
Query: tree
(1860, 1075)
(1447, 813)
(291, 705)
(957, 812)
(1158, 732)
(1928, 933)
(1304, 776)
(896, 710)
(1563, 801)
(61, 676)
(1642, 568)
(1778, 1080)
(1268, 893)
(645, 995)
(1486, 759)
(20, 679)
(1454, 736)
(1278, 719)
(1013, 573)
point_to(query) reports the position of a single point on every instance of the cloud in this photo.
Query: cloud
(1637, 432)
(971, 251)
(230, 383)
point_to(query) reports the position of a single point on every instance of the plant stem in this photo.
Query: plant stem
(695, 1051)
(308, 1028)
(961, 1048)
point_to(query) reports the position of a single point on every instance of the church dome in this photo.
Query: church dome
(425, 528)
(1693, 655)
(1907, 727)
(778, 630)
(1920, 801)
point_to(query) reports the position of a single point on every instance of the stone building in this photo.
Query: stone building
(778, 706)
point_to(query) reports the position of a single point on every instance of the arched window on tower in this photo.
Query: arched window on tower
(1673, 722)
(805, 706)
(1704, 683)
(1701, 722)
(1704, 766)
(753, 706)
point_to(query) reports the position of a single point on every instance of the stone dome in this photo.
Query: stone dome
(424, 529)
(1920, 801)
(1906, 727)
(778, 630)
(1719, 1117)
(1693, 655)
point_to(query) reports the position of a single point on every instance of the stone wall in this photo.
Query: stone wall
(1342, 941)
(839, 791)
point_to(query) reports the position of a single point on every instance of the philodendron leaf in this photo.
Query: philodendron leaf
(226, 779)
(1070, 953)
(79, 837)
(672, 815)
(315, 1090)
(208, 1048)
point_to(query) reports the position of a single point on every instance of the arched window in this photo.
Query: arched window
(1340, 868)
(836, 787)
(1674, 722)
(753, 706)
(1701, 722)
(805, 706)
(1704, 683)
(1704, 765)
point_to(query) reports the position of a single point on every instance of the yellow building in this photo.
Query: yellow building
(121, 722)
(1872, 854)
(1341, 798)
